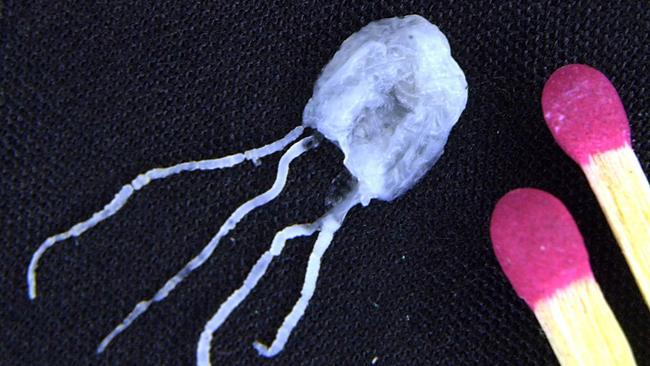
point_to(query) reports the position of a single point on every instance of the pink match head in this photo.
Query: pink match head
(584, 112)
(537, 244)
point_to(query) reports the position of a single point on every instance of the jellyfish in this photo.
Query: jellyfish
(388, 100)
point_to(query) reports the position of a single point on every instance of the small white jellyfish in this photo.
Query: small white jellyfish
(388, 99)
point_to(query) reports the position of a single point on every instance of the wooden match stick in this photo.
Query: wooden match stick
(586, 117)
(543, 255)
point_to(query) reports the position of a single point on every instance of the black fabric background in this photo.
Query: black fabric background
(92, 95)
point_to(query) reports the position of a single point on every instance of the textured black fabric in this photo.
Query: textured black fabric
(92, 95)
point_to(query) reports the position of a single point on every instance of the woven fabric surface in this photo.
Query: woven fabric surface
(92, 95)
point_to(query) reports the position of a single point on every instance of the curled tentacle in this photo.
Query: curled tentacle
(258, 270)
(329, 224)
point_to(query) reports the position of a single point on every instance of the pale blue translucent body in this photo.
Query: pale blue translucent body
(389, 98)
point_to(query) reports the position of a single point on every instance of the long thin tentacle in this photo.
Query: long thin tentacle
(142, 180)
(330, 223)
(283, 168)
(258, 270)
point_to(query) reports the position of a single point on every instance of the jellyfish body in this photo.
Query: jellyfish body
(388, 99)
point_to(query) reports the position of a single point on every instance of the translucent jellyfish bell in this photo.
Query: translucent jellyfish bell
(388, 99)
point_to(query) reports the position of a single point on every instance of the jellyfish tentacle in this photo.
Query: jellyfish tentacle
(142, 180)
(293, 152)
(323, 241)
(329, 223)
(255, 274)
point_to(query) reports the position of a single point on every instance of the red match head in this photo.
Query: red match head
(584, 112)
(537, 244)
